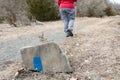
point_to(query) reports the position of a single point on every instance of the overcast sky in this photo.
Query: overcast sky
(117, 1)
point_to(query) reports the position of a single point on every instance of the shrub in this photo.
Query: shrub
(110, 12)
(43, 10)
(91, 8)
(91, 12)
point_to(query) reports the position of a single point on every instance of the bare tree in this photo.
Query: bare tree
(92, 7)
(116, 6)
(15, 12)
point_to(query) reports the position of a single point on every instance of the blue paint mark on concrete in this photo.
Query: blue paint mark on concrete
(37, 63)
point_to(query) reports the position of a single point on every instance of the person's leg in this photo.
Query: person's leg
(71, 19)
(64, 17)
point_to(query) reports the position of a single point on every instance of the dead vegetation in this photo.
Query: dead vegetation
(118, 23)
(16, 13)
(94, 52)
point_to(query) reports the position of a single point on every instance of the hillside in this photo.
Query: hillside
(93, 52)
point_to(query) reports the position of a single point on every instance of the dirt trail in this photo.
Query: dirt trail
(7, 32)
(94, 51)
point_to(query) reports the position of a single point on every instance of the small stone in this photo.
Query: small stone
(39, 23)
(16, 74)
(65, 52)
(87, 61)
(73, 78)
(77, 44)
(19, 72)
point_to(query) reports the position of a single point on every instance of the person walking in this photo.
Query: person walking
(67, 13)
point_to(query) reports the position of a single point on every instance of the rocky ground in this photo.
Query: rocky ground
(93, 52)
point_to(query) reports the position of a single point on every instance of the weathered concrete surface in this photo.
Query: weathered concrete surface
(53, 60)
(28, 54)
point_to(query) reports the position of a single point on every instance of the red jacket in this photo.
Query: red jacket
(66, 3)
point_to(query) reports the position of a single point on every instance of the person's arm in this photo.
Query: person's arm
(59, 1)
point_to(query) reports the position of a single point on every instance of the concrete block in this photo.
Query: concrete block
(53, 60)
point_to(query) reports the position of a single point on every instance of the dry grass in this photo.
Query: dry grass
(94, 53)
(118, 23)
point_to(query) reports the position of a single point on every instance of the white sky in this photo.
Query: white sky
(117, 1)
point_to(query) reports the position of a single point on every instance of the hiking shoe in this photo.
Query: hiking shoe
(67, 34)
(70, 32)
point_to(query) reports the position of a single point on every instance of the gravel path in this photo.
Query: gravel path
(13, 39)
